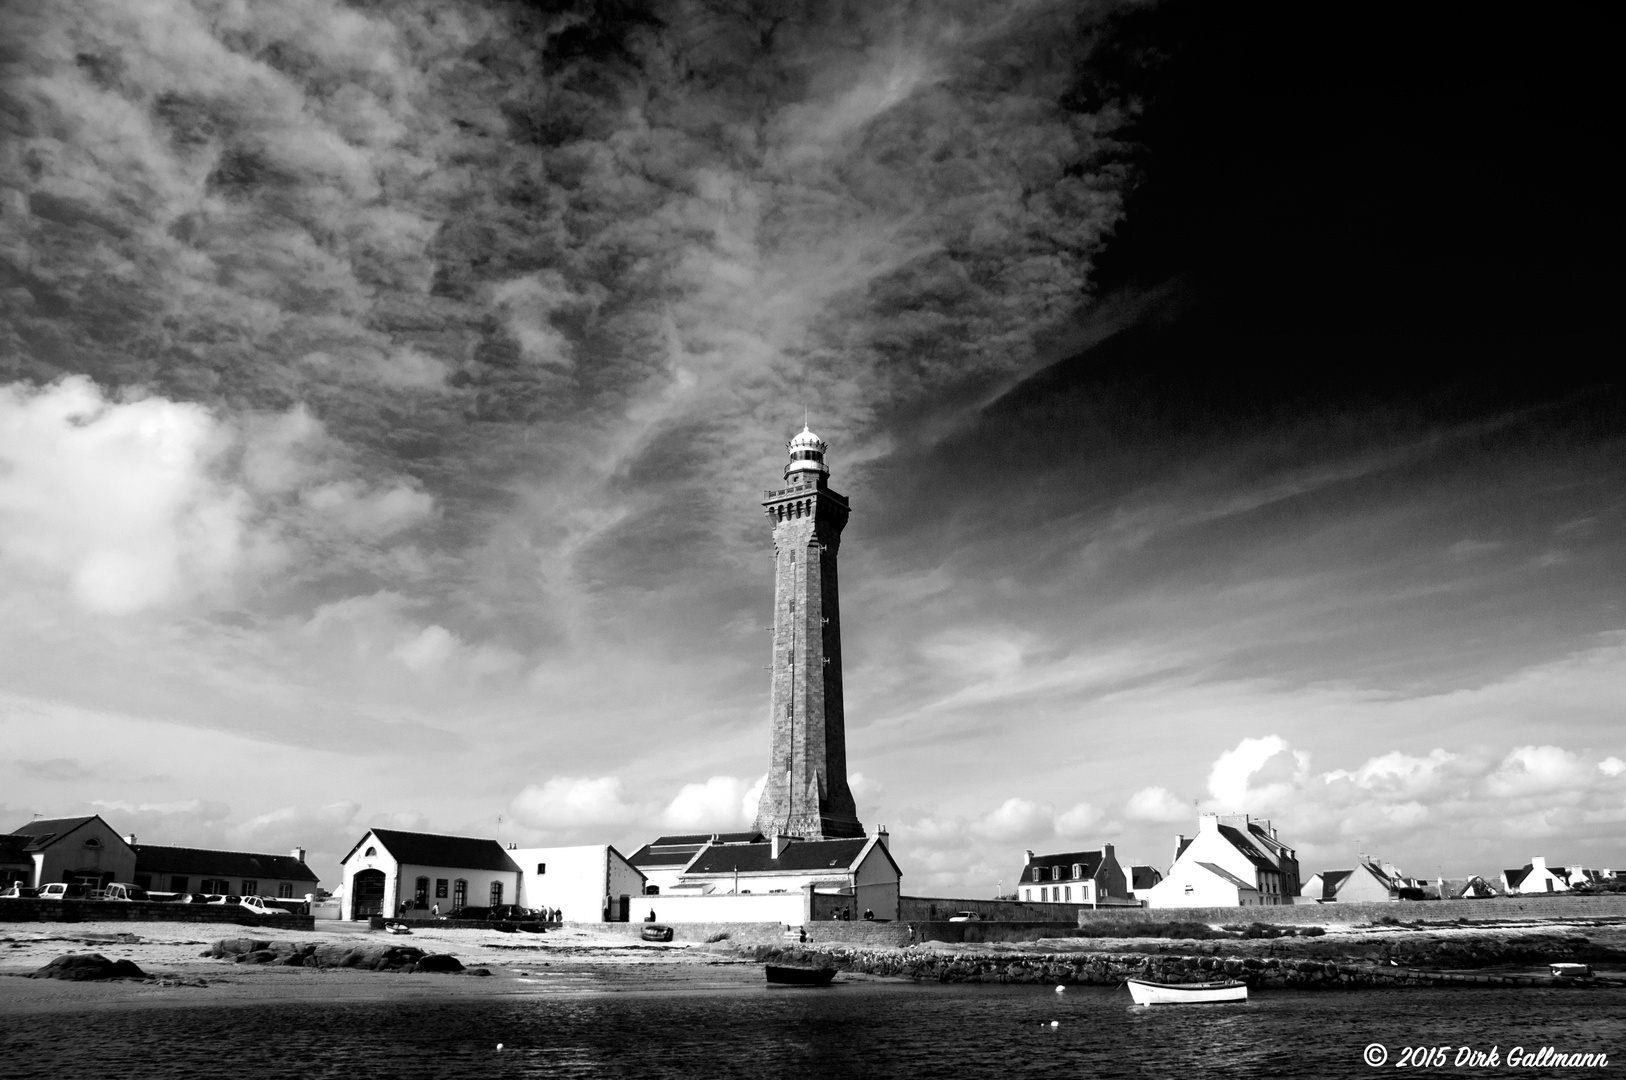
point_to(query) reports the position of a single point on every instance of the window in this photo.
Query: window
(178, 884)
(1038, 873)
(214, 885)
(652, 890)
(541, 867)
(285, 890)
(93, 842)
(1078, 871)
(1044, 894)
(496, 893)
(420, 892)
(1069, 891)
(460, 893)
(370, 852)
(250, 887)
(1056, 874)
(440, 888)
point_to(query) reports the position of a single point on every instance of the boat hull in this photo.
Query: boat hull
(655, 932)
(799, 976)
(1215, 993)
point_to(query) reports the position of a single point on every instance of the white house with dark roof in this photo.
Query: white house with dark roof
(1073, 877)
(247, 873)
(84, 850)
(1234, 860)
(1536, 877)
(1369, 882)
(408, 875)
(783, 879)
(1141, 879)
(663, 860)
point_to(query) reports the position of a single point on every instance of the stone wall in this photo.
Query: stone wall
(1513, 908)
(124, 911)
(939, 908)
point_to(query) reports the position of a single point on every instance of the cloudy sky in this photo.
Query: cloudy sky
(387, 391)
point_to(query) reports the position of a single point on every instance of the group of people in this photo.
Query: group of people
(846, 915)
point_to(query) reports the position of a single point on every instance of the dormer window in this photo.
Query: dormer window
(1038, 873)
(1078, 870)
(1056, 873)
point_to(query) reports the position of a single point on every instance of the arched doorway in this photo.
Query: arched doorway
(367, 894)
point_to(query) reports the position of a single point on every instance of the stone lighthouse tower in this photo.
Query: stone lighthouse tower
(806, 794)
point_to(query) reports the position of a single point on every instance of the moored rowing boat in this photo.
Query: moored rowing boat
(1210, 993)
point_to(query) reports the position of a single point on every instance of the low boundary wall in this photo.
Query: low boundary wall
(12, 911)
(940, 908)
(1510, 908)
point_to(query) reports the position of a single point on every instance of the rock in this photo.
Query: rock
(439, 962)
(85, 967)
(480, 971)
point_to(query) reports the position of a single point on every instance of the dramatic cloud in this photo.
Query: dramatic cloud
(722, 802)
(564, 803)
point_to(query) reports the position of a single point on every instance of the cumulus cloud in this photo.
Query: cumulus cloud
(1157, 804)
(721, 803)
(564, 803)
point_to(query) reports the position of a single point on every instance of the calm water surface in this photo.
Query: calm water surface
(731, 1026)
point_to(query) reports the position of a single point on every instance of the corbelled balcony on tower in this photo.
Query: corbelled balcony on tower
(806, 794)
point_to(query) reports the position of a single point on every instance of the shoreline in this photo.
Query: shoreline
(580, 960)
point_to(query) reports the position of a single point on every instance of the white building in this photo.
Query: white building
(589, 883)
(783, 879)
(1536, 877)
(1073, 877)
(1233, 861)
(409, 875)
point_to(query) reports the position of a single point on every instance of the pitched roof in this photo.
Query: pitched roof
(1332, 881)
(1515, 877)
(677, 850)
(1245, 845)
(797, 856)
(14, 848)
(1221, 872)
(433, 849)
(44, 830)
(154, 859)
(1087, 861)
(1144, 877)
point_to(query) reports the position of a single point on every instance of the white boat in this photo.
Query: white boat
(397, 928)
(1208, 993)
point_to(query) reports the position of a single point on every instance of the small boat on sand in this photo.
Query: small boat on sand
(785, 975)
(655, 932)
(1571, 971)
(397, 928)
(1209, 993)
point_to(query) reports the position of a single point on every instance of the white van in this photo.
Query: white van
(120, 890)
(62, 890)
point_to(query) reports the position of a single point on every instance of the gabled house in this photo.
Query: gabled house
(1369, 882)
(859, 869)
(408, 875)
(1141, 880)
(1536, 877)
(1468, 888)
(1234, 860)
(84, 850)
(1073, 877)
(664, 858)
(247, 873)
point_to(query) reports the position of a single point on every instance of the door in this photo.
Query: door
(368, 901)
(624, 909)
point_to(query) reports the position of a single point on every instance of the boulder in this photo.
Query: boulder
(84, 967)
(439, 962)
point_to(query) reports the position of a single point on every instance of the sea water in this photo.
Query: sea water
(730, 1025)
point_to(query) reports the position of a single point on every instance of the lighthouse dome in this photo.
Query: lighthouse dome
(806, 454)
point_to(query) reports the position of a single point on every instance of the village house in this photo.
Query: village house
(1141, 880)
(1536, 877)
(784, 879)
(586, 883)
(1067, 877)
(77, 850)
(409, 875)
(1369, 882)
(246, 873)
(1473, 887)
(1233, 861)
(663, 860)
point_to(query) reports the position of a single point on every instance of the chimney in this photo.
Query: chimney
(1538, 862)
(131, 839)
(298, 853)
(1028, 854)
(883, 836)
(778, 844)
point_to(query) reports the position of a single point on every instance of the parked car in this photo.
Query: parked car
(258, 905)
(964, 916)
(228, 899)
(60, 890)
(19, 891)
(506, 917)
(120, 890)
